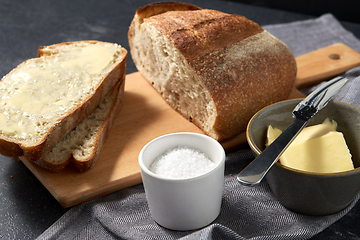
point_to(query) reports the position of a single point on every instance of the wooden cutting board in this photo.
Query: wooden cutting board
(145, 116)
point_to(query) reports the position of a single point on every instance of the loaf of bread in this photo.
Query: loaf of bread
(46, 97)
(214, 68)
(82, 145)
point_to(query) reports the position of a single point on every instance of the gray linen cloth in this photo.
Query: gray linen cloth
(247, 212)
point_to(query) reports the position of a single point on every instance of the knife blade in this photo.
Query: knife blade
(303, 112)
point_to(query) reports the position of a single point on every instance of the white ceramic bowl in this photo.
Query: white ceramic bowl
(183, 204)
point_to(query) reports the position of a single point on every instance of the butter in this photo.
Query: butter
(94, 58)
(319, 148)
(52, 88)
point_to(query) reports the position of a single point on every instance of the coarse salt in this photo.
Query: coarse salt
(182, 162)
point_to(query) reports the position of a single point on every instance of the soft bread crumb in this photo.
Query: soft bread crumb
(168, 71)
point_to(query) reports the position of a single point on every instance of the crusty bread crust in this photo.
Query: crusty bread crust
(161, 7)
(203, 31)
(66, 123)
(241, 66)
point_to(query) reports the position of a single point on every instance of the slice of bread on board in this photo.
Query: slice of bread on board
(82, 145)
(45, 98)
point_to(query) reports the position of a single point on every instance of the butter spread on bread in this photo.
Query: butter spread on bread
(46, 97)
(215, 69)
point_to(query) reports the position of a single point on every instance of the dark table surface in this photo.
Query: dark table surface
(26, 207)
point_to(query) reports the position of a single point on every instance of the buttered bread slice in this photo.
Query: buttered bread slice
(46, 97)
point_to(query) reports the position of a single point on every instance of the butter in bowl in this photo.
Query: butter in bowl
(310, 190)
(318, 148)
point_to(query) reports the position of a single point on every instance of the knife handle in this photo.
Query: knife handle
(257, 169)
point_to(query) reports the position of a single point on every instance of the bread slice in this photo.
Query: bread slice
(214, 68)
(46, 97)
(82, 145)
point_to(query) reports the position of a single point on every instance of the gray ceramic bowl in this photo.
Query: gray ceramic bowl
(305, 192)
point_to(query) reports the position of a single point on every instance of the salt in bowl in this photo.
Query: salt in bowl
(186, 203)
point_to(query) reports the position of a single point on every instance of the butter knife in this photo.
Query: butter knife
(303, 112)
